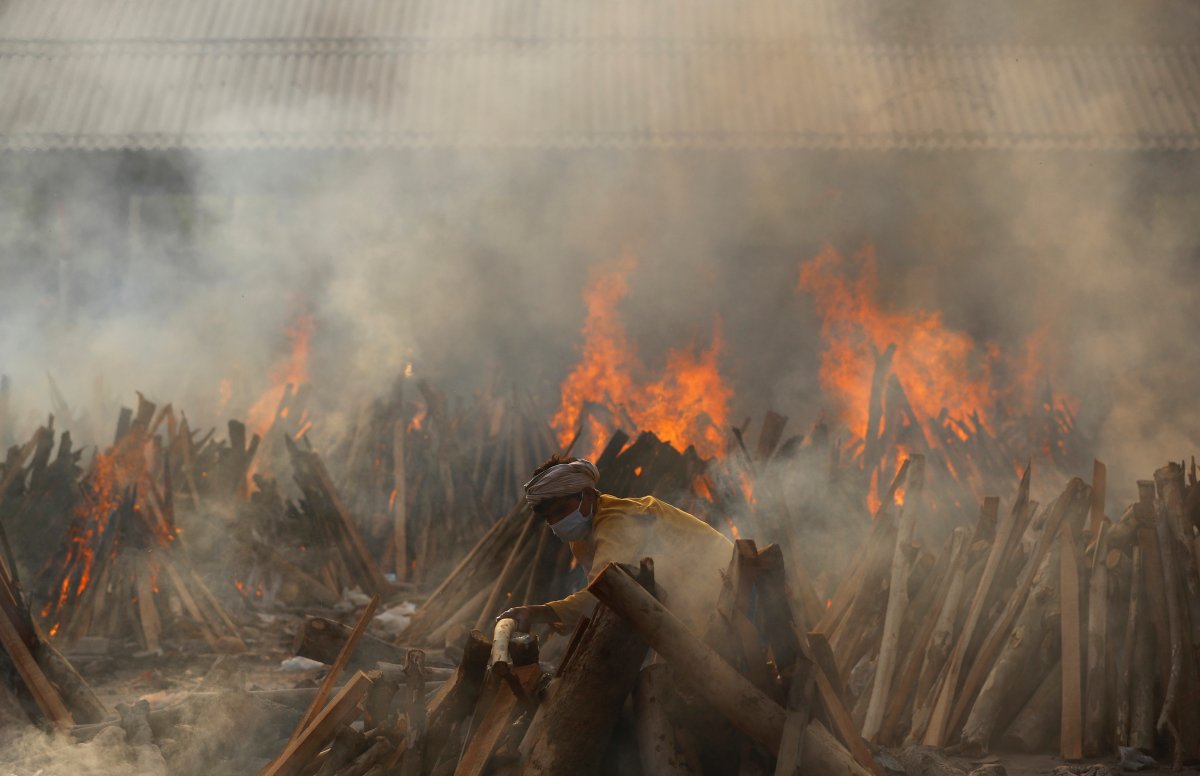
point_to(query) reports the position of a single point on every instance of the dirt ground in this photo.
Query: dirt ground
(122, 677)
(1037, 764)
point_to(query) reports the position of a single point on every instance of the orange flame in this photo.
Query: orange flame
(418, 420)
(686, 405)
(938, 368)
(112, 473)
(748, 488)
(290, 370)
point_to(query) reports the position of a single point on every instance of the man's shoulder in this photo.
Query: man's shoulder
(615, 509)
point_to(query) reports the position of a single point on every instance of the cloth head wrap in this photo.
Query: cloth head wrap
(562, 479)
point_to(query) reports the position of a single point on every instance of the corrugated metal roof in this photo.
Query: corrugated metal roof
(111, 74)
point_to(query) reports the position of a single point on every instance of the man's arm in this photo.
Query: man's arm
(619, 539)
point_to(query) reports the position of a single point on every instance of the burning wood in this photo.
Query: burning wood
(39, 683)
(123, 565)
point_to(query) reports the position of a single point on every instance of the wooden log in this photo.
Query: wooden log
(414, 714)
(1033, 729)
(1096, 703)
(306, 743)
(1124, 700)
(1177, 543)
(746, 707)
(44, 694)
(832, 692)
(505, 695)
(801, 694)
(885, 663)
(655, 731)
(1168, 717)
(323, 639)
(335, 669)
(500, 637)
(85, 706)
(399, 502)
(847, 591)
(1070, 508)
(372, 760)
(581, 716)
(1146, 515)
(768, 438)
(1099, 484)
(931, 658)
(455, 699)
(802, 657)
(1071, 725)
(1145, 676)
(935, 731)
(151, 625)
(1016, 674)
(347, 744)
(730, 632)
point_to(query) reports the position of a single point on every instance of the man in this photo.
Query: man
(689, 556)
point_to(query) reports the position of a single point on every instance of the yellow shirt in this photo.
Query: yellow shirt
(689, 556)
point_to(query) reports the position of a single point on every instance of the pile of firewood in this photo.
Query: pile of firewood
(121, 572)
(1054, 627)
(752, 690)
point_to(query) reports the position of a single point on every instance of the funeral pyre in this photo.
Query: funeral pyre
(896, 591)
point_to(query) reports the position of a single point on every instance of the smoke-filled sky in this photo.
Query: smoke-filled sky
(170, 271)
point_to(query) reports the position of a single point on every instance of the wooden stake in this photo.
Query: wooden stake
(44, 694)
(1125, 677)
(1099, 483)
(1071, 507)
(1095, 721)
(1071, 744)
(306, 742)
(399, 502)
(935, 732)
(885, 663)
(655, 732)
(335, 670)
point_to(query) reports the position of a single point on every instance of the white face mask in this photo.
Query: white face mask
(575, 526)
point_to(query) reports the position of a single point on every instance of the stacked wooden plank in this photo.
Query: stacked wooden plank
(1052, 627)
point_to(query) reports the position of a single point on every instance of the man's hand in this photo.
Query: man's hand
(527, 616)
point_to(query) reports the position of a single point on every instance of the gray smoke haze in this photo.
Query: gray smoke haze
(169, 271)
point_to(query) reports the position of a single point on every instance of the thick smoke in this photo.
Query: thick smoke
(171, 271)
